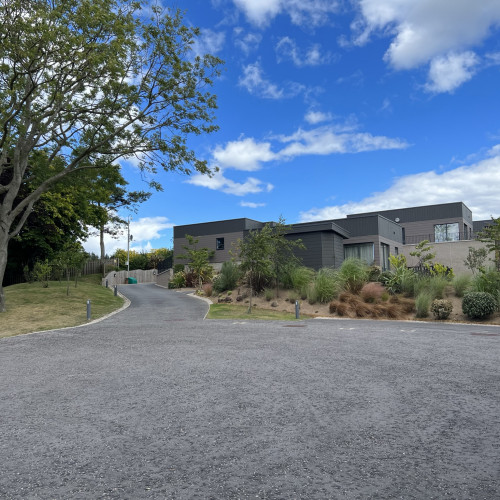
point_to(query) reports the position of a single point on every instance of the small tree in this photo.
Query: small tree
(475, 259)
(491, 236)
(423, 252)
(254, 251)
(41, 272)
(72, 257)
(198, 260)
(282, 250)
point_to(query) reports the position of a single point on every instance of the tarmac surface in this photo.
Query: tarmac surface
(155, 402)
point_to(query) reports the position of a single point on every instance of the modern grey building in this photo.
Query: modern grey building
(371, 236)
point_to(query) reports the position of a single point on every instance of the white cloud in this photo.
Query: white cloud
(254, 81)
(143, 231)
(315, 117)
(427, 30)
(325, 141)
(248, 42)
(219, 182)
(244, 154)
(250, 204)
(286, 48)
(449, 72)
(209, 42)
(477, 185)
(301, 12)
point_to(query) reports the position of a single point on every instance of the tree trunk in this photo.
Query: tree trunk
(4, 242)
(103, 252)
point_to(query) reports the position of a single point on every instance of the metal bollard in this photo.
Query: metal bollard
(116, 290)
(297, 310)
(89, 315)
(106, 283)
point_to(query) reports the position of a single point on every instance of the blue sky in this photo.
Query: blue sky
(332, 107)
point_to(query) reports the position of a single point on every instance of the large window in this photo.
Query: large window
(363, 251)
(219, 243)
(446, 232)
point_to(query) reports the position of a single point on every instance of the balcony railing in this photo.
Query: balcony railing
(415, 239)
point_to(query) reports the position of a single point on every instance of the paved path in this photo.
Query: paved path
(156, 403)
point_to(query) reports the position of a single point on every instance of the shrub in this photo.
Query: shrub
(372, 292)
(400, 280)
(178, 280)
(422, 304)
(478, 305)
(441, 270)
(342, 309)
(441, 308)
(487, 281)
(269, 294)
(207, 289)
(41, 272)
(191, 279)
(300, 277)
(178, 268)
(437, 286)
(325, 286)
(460, 284)
(353, 274)
(228, 277)
(333, 306)
(374, 273)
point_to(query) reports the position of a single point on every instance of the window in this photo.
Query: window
(219, 243)
(363, 251)
(384, 257)
(446, 232)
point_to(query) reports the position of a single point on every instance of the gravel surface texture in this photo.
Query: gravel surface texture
(156, 402)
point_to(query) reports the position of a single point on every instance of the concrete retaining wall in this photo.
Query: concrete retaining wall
(449, 253)
(120, 277)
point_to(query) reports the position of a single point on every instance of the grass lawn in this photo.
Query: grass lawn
(32, 308)
(228, 311)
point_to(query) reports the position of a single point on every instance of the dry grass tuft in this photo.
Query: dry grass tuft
(372, 292)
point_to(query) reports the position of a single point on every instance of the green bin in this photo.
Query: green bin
(131, 281)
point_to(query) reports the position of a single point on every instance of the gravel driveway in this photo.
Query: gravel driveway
(156, 402)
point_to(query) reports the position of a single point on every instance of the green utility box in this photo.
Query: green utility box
(131, 281)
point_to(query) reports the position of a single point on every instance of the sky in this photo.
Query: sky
(332, 107)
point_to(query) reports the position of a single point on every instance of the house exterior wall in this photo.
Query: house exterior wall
(448, 253)
(209, 241)
(415, 232)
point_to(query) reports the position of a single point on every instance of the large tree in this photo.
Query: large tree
(91, 82)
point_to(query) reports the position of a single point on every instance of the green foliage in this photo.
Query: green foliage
(325, 287)
(487, 281)
(478, 305)
(269, 294)
(422, 304)
(374, 273)
(423, 252)
(397, 261)
(475, 259)
(353, 274)
(198, 260)
(441, 308)
(441, 270)
(228, 277)
(491, 236)
(178, 280)
(87, 83)
(42, 271)
(301, 277)
(460, 284)
(401, 280)
(178, 268)
(254, 251)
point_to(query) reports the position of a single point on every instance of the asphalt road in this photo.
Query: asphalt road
(156, 402)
